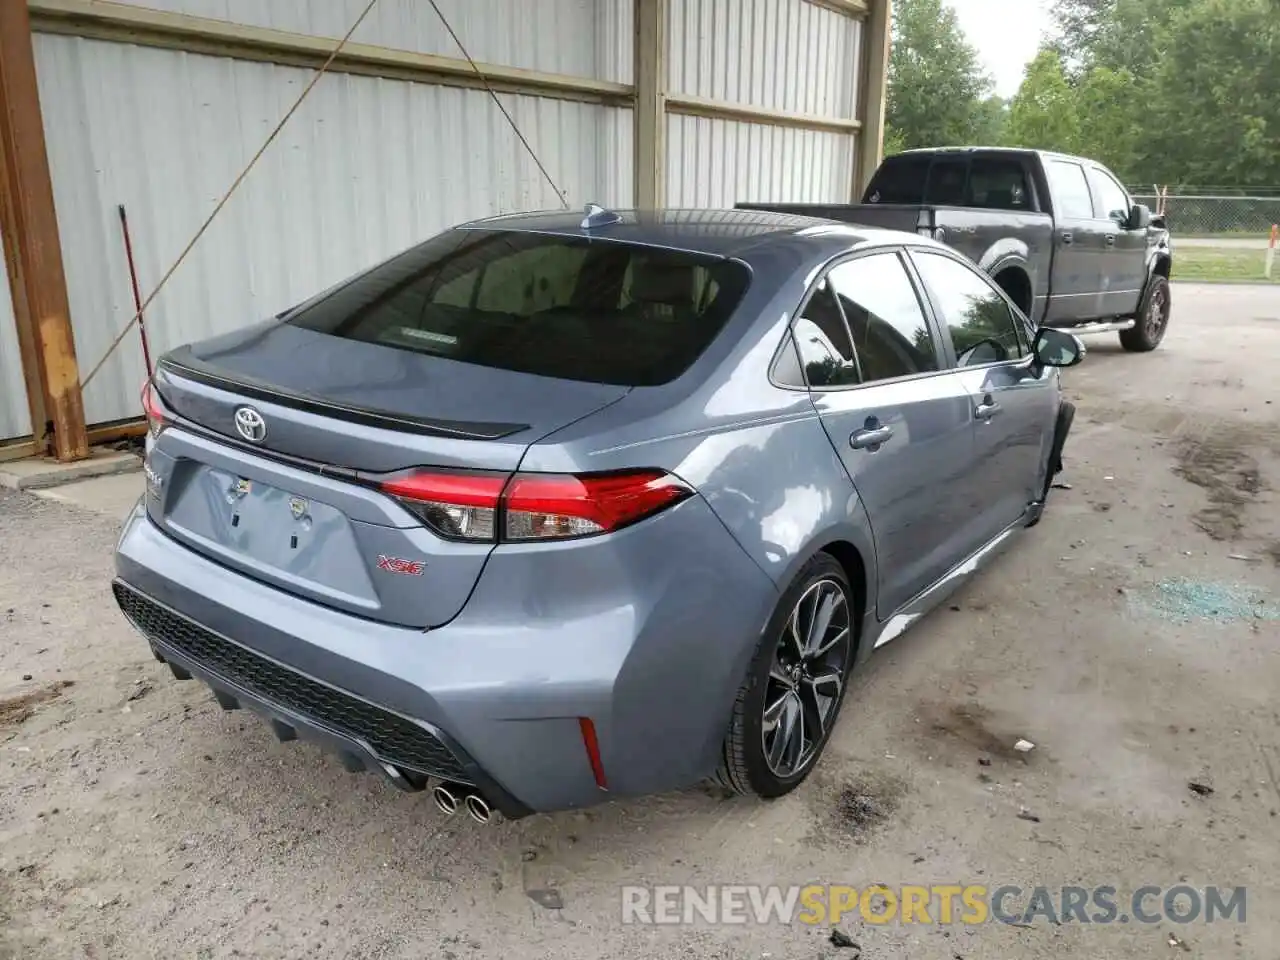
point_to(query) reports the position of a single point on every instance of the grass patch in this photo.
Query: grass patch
(1221, 263)
(1225, 235)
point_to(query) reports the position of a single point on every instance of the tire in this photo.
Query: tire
(1152, 318)
(754, 760)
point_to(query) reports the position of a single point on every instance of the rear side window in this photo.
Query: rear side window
(900, 179)
(998, 184)
(566, 307)
(1070, 190)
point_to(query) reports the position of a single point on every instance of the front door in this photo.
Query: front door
(1124, 254)
(1077, 246)
(1013, 400)
(899, 420)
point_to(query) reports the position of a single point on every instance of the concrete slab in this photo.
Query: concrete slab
(38, 473)
(112, 496)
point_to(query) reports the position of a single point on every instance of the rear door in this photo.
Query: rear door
(901, 423)
(1077, 245)
(1014, 404)
(1124, 254)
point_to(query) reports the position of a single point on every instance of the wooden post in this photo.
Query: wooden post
(33, 254)
(651, 104)
(871, 99)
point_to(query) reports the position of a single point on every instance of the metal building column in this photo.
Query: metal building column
(32, 251)
(651, 103)
(874, 83)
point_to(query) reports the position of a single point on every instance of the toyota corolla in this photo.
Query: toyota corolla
(554, 508)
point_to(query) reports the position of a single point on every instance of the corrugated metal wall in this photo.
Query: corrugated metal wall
(368, 166)
(365, 168)
(15, 418)
(541, 35)
(717, 163)
(778, 54)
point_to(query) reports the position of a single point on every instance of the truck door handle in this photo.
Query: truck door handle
(987, 409)
(1067, 238)
(1111, 239)
(870, 437)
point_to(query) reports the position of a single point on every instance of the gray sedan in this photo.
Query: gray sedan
(552, 508)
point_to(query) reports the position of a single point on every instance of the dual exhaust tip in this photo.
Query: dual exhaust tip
(450, 797)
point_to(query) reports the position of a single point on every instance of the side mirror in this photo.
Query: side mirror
(1057, 348)
(1139, 217)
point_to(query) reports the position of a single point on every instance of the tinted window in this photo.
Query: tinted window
(946, 183)
(1112, 201)
(998, 184)
(890, 333)
(556, 306)
(984, 329)
(1070, 190)
(822, 340)
(900, 179)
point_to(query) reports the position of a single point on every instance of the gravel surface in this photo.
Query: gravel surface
(1130, 637)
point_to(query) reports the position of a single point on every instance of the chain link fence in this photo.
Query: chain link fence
(1235, 217)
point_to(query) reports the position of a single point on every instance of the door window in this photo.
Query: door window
(984, 329)
(1112, 203)
(822, 342)
(890, 332)
(1070, 190)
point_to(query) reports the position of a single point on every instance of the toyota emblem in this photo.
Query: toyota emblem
(250, 425)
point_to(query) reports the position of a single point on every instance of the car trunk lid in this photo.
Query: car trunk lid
(293, 498)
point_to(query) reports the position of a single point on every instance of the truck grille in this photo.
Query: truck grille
(394, 739)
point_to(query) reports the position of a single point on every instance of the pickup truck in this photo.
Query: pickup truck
(1058, 234)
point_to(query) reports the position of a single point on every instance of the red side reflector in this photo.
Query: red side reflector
(593, 751)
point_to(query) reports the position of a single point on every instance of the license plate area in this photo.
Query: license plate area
(277, 535)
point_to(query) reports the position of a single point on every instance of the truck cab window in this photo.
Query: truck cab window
(900, 179)
(1112, 203)
(947, 179)
(1070, 189)
(998, 184)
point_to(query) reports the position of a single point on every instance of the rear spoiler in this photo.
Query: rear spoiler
(184, 366)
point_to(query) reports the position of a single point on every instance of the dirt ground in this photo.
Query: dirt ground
(1121, 636)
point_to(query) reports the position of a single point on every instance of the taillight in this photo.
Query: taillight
(157, 420)
(556, 507)
(460, 506)
(484, 507)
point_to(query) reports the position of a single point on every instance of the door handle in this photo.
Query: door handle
(987, 409)
(1067, 238)
(870, 437)
(1111, 239)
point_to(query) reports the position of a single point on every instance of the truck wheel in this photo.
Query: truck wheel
(1151, 320)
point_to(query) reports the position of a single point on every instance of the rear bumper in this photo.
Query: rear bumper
(494, 698)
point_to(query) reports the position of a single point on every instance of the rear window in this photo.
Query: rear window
(900, 179)
(566, 307)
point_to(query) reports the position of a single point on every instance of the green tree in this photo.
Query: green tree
(1044, 115)
(1110, 115)
(1216, 116)
(937, 89)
